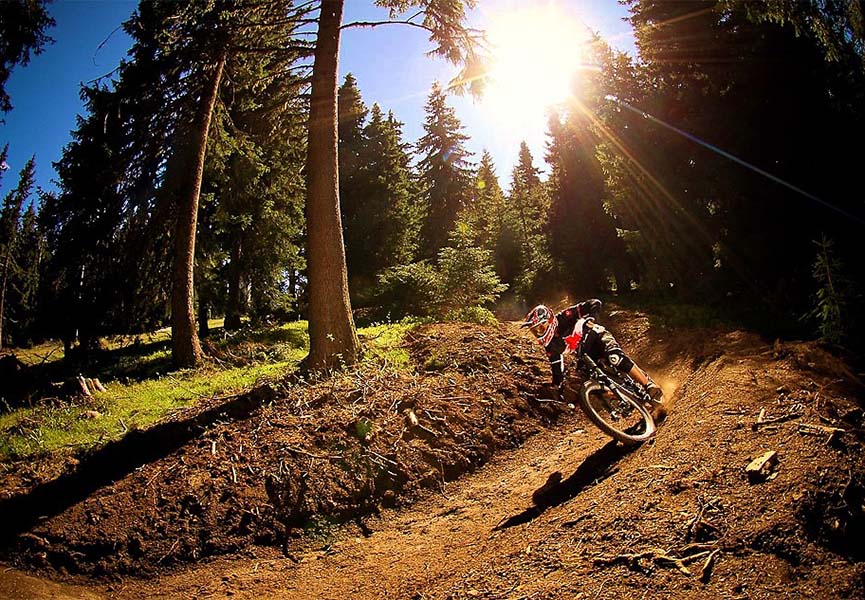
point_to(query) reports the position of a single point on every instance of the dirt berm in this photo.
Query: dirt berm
(358, 484)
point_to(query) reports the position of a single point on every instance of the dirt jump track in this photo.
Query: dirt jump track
(460, 480)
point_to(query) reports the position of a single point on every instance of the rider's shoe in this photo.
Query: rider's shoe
(655, 391)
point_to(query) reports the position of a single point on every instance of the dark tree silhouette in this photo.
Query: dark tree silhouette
(22, 31)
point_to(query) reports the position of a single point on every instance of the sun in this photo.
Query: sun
(536, 55)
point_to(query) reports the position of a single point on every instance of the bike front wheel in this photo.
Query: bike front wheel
(617, 413)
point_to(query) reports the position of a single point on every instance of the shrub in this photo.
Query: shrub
(462, 279)
(412, 289)
(467, 274)
(834, 294)
(472, 314)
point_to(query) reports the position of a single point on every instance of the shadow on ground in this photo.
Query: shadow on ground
(116, 460)
(598, 466)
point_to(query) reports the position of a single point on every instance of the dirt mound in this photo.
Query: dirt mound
(557, 514)
(264, 468)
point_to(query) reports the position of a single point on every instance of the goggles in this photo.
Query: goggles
(538, 329)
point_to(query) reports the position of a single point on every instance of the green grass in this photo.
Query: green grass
(383, 343)
(142, 389)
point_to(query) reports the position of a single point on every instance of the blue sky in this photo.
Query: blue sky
(390, 64)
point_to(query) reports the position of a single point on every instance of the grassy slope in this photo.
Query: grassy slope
(141, 389)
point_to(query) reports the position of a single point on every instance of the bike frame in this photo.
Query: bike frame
(593, 370)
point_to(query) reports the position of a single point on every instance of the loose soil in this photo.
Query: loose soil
(462, 480)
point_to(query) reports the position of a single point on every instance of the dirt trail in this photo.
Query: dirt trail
(677, 517)
(432, 549)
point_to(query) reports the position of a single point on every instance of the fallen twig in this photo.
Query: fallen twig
(706, 571)
(761, 421)
(311, 455)
(428, 430)
(658, 556)
(47, 356)
(170, 550)
(689, 558)
(811, 428)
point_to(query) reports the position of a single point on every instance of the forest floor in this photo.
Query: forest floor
(459, 479)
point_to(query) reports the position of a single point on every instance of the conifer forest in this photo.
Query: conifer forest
(225, 180)
(190, 182)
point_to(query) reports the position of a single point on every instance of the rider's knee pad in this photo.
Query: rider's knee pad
(620, 360)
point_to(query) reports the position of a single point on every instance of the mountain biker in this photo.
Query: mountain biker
(566, 331)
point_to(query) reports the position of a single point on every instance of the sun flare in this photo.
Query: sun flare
(536, 53)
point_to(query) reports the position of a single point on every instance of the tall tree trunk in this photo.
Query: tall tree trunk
(332, 336)
(185, 347)
(235, 291)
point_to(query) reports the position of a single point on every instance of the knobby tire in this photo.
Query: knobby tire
(626, 435)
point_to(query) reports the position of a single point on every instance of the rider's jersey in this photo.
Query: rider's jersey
(569, 329)
(572, 342)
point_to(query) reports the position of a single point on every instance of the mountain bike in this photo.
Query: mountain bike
(612, 400)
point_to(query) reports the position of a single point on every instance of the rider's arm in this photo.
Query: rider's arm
(568, 317)
(589, 308)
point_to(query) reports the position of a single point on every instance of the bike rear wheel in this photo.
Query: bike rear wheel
(617, 413)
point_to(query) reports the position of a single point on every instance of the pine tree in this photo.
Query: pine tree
(468, 278)
(200, 40)
(87, 229)
(332, 335)
(10, 224)
(445, 172)
(490, 217)
(22, 31)
(711, 222)
(31, 255)
(333, 339)
(383, 230)
(528, 219)
(583, 238)
(352, 115)
(252, 221)
(484, 212)
(838, 26)
(142, 155)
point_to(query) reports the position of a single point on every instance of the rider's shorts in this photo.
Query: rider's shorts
(601, 343)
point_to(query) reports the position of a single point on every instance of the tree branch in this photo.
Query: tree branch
(379, 23)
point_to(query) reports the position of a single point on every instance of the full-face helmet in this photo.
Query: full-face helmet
(542, 323)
